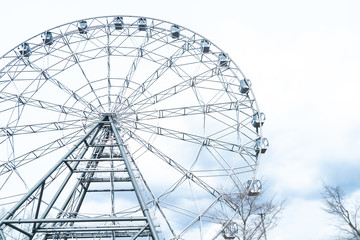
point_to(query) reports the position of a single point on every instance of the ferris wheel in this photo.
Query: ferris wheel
(125, 127)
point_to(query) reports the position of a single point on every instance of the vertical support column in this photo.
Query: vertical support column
(139, 196)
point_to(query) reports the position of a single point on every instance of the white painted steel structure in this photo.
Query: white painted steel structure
(153, 125)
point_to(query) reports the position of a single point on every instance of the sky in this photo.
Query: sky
(303, 59)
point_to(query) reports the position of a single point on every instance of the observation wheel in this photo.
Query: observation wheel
(125, 127)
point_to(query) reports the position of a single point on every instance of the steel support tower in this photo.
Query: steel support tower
(97, 165)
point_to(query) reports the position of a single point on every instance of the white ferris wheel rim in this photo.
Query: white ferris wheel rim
(144, 119)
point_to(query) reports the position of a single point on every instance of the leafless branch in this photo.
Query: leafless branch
(336, 205)
(257, 215)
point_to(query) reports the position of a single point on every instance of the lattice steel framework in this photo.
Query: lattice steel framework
(157, 127)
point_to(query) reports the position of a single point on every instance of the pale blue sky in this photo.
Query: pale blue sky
(303, 58)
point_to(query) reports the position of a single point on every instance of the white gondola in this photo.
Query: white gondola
(258, 119)
(223, 60)
(230, 231)
(245, 85)
(205, 46)
(119, 23)
(253, 187)
(261, 145)
(142, 24)
(82, 27)
(47, 38)
(175, 31)
(24, 50)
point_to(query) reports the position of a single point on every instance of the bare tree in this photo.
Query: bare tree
(258, 215)
(345, 213)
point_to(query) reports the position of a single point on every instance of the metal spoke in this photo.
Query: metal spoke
(156, 74)
(64, 88)
(163, 95)
(39, 152)
(185, 111)
(44, 105)
(76, 58)
(171, 162)
(133, 67)
(39, 128)
(192, 138)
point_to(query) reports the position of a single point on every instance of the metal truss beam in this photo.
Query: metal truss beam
(156, 74)
(48, 106)
(63, 220)
(140, 198)
(185, 172)
(135, 63)
(39, 152)
(185, 111)
(104, 235)
(39, 128)
(192, 138)
(44, 73)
